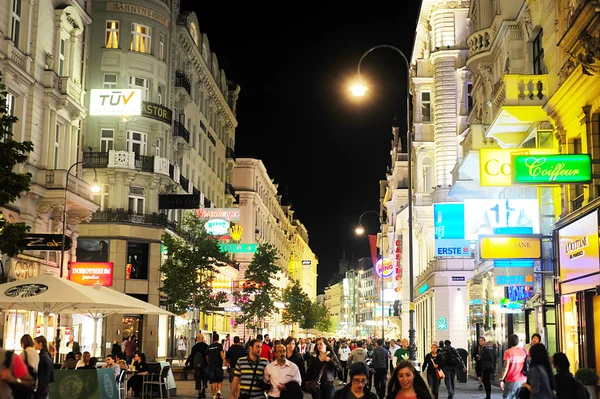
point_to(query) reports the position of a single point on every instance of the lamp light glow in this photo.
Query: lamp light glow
(359, 88)
(95, 186)
(359, 231)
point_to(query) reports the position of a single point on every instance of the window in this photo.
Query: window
(137, 198)
(112, 34)
(140, 38)
(140, 83)
(425, 106)
(101, 198)
(136, 142)
(16, 22)
(161, 46)
(11, 108)
(539, 67)
(159, 97)
(469, 97)
(137, 260)
(56, 145)
(110, 81)
(61, 57)
(106, 140)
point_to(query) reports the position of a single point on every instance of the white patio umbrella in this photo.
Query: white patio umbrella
(49, 293)
(132, 305)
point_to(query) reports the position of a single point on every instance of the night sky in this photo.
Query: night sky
(326, 150)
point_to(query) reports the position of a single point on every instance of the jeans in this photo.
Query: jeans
(380, 380)
(450, 380)
(511, 390)
(326, 391)
(434, 384)
(486, 376)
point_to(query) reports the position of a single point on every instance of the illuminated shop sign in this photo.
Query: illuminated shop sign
(442, 324)
(448, 221)
(511, 276)
(452, 248)
(90, 273)
(495, 166)
(229, 214)
(578, 253)
(484, 216)
(552, 169)
(510, 247)
(116, 102)
(384, 268)
(519, 292)
(423, 288)
(158, 112)
(239, 248)
(217, 227)
(138, 10)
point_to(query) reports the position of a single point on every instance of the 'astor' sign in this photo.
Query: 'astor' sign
(552, 169)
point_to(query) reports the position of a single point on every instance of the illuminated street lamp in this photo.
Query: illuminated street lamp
(360, 230)
(359, 89)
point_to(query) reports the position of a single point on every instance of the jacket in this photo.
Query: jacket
(298, 361)
(343, 393)
(357, 355)
(292, 391)
(331, 370)
(380, 358)
(428, 363)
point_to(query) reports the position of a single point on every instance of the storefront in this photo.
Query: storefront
(578, 286)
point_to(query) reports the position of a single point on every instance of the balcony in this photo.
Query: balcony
(229, 189)
(55, 179)
(144, 163)
(181, 80)
(96, 159)
(480, 45)
(126, 160)
(179, 130)
(68, 87)
(123, 216)
(229, 153)
(578, 202)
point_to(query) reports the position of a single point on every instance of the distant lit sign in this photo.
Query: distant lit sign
(229, 214)
(116, 102)
(519, 292)
(46, 242)
(157, 112)
(448, 221)
(89, 273)
(552, 169)
(452, 248)
(510, 247)
(495, 166)
(511, 276)
(458, 278)
(384, 268)
(236, 232)
(239, 248)
(442, 324)
(217, 227)
(423, 288)
(484, 216)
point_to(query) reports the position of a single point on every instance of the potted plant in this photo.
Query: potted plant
(589, 378)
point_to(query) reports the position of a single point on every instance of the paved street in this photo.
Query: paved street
(185, 390)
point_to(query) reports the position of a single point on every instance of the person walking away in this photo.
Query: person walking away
(512, 373)
(280, 373)
(393, 348)
(248, 374)
(343, 354)
(30, 356)
(356, 389)
(45, 371)
(407, 383)
(181, 349)
(380, 367)
(324, 363)
(358, 355)
(215, 357)
(116, 350)
(486, 360)
(130, 349)
(565, 385)
(235, 352)
(293, 356)
(477, 357)
(197, 360)
(402, 353)
(431, 364)
(15, 381)
(539, 378)
(369, 363)
(451, 360)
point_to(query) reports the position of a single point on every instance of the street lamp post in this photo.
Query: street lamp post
(360, 90)
(95, 188)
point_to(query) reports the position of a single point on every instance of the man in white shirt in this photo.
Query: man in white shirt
(343, 354)
(181, 349)
(393, 348)
(281, 372)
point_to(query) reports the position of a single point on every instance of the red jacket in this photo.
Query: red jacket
(266, 352)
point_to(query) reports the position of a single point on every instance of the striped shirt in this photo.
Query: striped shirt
(244, 370)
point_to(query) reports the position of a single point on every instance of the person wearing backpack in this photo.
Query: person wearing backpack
(30, 356)
(451, 360)
(45, 372)
(515, 360)
(197, 360)
(565, 384)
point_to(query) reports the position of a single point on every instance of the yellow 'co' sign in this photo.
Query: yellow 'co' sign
(510, 247)
(495, 166)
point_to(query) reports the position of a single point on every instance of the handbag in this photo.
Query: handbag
(247, 395)
(439, 373)
(524, 393)
(313, 386)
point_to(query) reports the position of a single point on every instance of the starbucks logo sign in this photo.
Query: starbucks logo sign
(109, 385)
(26, 290)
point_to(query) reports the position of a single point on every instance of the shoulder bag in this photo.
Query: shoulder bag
(439, 373)
(313, 386)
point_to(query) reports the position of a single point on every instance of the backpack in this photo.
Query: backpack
(581, 391)
(449, 357)
(18, 391)
(199, 361)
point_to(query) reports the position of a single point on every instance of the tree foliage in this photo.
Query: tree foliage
(316, 316)
(295, 301)
(12, 153)
(191, 266)
(258, 294)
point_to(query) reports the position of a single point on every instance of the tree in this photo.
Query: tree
(12, 153)
(259, 294)
(295, 300)
(316, 315)
(191, 266)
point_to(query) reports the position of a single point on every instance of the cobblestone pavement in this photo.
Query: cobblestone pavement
(469, 390)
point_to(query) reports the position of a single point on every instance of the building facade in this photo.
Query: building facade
(333, 302)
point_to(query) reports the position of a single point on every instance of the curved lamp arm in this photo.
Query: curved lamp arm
(360, 229)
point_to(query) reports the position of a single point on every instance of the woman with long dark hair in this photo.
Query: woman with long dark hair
(539, 379)
(45, 372)
(564, 382)
(293, 356)
(324, 363)
(406, 382)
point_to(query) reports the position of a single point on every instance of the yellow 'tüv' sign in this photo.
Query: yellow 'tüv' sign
(495, 166)
(510, 247)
